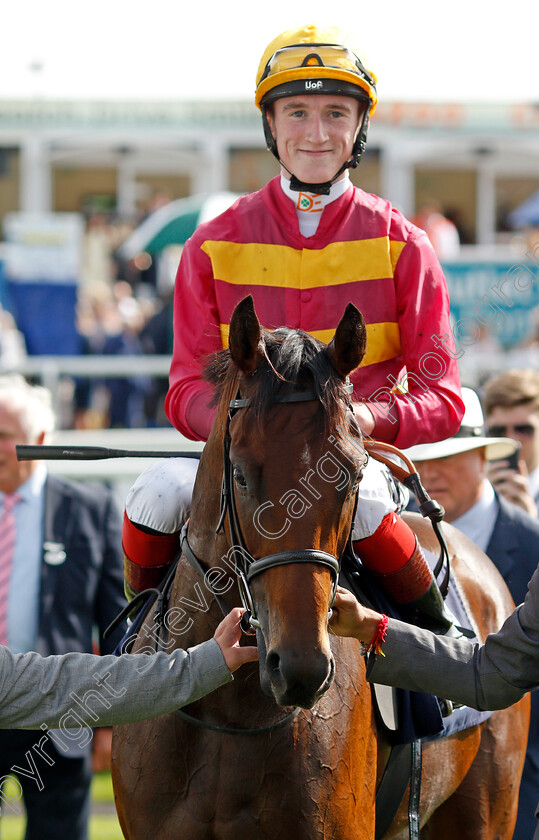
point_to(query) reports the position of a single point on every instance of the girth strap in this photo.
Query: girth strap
(403, 766)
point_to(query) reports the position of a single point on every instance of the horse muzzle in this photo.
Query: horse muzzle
(295, 676)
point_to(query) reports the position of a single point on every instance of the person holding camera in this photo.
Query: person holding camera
(511, 402)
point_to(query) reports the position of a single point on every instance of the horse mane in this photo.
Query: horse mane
(291, 360)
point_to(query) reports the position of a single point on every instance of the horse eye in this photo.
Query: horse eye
(357, 481)
(239, 477)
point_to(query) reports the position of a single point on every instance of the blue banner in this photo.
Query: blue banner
(497, 297)
(45, 314)
(42, 269)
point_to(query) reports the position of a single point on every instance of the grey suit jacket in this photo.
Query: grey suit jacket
(81, 689)
(491, 676)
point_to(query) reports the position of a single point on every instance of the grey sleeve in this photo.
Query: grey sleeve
(79, 689)
(491, 676)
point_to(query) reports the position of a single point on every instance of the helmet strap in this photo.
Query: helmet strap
(325, 187)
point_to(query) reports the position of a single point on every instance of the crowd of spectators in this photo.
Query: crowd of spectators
(124, 308)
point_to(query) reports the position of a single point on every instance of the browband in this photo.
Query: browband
(300, 396)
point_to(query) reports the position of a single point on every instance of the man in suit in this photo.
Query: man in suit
(511, 403)
(454, 472)
(61, 580)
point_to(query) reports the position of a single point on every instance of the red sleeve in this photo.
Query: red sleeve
(431, 408)
(196, 336)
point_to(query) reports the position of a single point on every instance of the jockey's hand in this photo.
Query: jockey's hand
(364, 417)
(350, 618)
(228, 635)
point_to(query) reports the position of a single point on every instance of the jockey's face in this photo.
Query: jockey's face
(456, 482)
(315, 134)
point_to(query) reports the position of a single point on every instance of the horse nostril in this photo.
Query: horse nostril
(273, 662)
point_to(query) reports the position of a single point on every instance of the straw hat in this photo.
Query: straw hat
(471, 435)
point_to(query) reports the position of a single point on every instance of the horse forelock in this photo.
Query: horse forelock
(290, 361)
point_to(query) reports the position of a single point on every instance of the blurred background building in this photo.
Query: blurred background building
(480, 161)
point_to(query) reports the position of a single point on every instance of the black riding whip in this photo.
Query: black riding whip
(91, 453)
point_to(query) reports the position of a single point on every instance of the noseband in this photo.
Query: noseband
(246, 566)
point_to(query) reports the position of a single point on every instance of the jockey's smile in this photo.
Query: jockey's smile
(315, 134)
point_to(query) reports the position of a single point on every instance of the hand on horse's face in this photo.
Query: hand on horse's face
(228, 635)
(350, 618)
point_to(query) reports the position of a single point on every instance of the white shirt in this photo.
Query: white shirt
(478, 522)
(309, 206)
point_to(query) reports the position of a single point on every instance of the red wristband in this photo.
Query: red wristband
(379, 637)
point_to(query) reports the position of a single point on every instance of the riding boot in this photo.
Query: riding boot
(431, 611)
(396, 559)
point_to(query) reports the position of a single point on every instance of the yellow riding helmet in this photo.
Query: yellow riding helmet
(313, 59)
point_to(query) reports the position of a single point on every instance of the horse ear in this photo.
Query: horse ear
(244, 336)
(347, 347)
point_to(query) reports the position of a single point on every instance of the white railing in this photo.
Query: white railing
(50, 371)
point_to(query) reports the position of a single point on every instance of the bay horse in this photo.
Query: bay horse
(291, 749)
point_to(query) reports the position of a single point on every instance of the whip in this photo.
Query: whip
(91, 453)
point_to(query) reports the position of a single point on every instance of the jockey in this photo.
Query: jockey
(304, 246)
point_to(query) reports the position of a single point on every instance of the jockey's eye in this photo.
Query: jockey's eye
(239, 478)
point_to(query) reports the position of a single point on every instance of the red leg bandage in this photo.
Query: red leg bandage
(396, 557)
(147, 555)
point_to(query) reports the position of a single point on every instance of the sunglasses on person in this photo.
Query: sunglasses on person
(523, 429)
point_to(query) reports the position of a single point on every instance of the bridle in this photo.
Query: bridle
(246, 566)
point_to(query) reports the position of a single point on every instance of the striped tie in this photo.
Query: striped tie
(7, 545)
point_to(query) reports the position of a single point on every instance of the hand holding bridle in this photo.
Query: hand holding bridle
(350, 618)
(228, 635)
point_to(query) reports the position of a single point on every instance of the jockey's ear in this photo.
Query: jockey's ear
(347, 347)
(244, 337)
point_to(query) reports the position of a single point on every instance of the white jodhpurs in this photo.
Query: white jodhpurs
(160, 497)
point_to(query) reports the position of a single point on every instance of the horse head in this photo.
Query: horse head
(295, 459)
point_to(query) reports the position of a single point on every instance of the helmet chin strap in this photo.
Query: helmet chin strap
(324, 187)
(318, 189)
